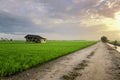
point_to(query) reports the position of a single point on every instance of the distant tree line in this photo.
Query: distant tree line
(116, 43)
(6, 39)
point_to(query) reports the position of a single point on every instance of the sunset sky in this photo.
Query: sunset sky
(60, 19)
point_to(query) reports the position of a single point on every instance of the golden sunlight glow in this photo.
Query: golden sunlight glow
(116, 23)
(117, 16)
(110, 24)
(113, 24)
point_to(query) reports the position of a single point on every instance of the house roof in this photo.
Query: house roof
(34, 36)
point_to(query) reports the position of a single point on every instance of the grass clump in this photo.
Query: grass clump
(82, 65)
(71, 76)
(76, 71)
(91, 54)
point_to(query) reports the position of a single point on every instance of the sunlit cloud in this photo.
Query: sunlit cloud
(117, 16)
(7, 11)
(37, 21)
(57, 21)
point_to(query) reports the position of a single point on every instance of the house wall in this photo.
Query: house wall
(42, 41)
(36, 40)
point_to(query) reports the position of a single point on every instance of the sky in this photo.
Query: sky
(60, 19)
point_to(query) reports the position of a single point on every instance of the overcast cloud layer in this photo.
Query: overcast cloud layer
(59, 19)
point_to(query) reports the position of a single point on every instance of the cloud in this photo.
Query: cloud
(63, 19)
(107, 8)
(37, 21)
(10, 24)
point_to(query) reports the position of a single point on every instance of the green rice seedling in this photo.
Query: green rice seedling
(17, 56)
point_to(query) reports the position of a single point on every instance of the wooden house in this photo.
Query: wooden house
(35, 38)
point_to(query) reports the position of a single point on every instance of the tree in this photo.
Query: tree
(104, 39)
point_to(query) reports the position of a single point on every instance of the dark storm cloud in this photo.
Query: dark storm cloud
(10, 24)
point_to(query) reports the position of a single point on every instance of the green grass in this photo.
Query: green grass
(18, 56)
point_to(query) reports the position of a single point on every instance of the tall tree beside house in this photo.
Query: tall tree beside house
(104, 39)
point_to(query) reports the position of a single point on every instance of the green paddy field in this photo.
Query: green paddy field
(17, 56)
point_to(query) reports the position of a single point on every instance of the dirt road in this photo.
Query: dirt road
(101, 66)
(97, 62)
